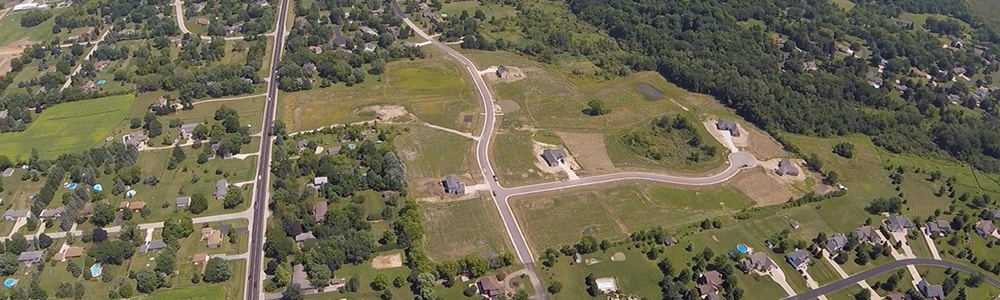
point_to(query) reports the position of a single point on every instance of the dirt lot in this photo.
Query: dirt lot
(388, 261)
(512, 74)
(387, 112)
(763, 188)
(588, 149)
(751, 140)
(9, 52)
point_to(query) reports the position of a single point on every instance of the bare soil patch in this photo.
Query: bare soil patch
(508, 106)
(510, 75)
(589, 148)
(761, 144)
(11, 51)
(763, 188)
(387, 112)
(388, 261)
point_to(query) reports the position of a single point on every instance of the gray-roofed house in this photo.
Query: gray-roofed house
(798, 259)
(898, 223)
(553, 157)
(866, 234)
(332, 150)
(786, 167)
(136, 138)
(30, 257)
(932, 291)
(895, 296)
(225, 228)
(809, 66)
(14, 215)
(996, 214)
(221, 188)
(758, 262)
(370, 47)
(453, 186)
(305, 236)
(8, 172)
(182, 201)
(318, 182)
(3, 114)
(319, 211)
(728, 125)
(501, 70)
(836, 243)
(368, 30)
(160, 102)
(152, 246)
(938, 227)
(187, 130)
(959, 71)
(985, 227)
(301, 145)
(52, 213)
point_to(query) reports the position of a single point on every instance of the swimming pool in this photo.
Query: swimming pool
(98, 188)
(95, 270)
(9, 282)
(71, 185)
(101, 82)
(742, 248)
(130, 194)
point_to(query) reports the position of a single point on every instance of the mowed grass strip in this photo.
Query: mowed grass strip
(67, 127)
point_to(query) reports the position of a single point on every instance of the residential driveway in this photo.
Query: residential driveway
(569, 171)
(901, 236)
(779, 276)
(931, 245)
(812, 284)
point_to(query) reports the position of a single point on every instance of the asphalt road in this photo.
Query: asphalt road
(849, 281)
(257, 224)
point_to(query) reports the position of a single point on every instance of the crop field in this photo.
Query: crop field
(459, 228)
(58, 130)
(436, 90)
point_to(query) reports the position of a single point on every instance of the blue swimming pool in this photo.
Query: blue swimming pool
(71, 186)
(95, 270)
(98, 188)
(101, 82)
(130, 194)
(742, 248)
(9, 282)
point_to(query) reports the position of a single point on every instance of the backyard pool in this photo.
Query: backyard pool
(71, 185)
(98, 188)
(10, 282)
(742, 248)
(95, 270)
(101, 82)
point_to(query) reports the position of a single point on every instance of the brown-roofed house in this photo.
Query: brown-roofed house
(73, 252)
(214, 239)
(123, 205)
(202, 21)
(100, 65)
(137, 205)
(88, 34)
(199, 258)
(489, 286)
(319, 211)
(205, 232)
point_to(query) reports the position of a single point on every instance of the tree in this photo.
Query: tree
(175, 229)
(79, 291)
(555, 287)
(475, 265)
(44, 241)
(863, 294)
(112, 252)
(233, 199)
(104, 214)
(278, 246)
(147, 281)
(381, 282)
(282, 276)
(353, 283)
(166, 261)
(99, 235)
(73, 268)
(596, 108)
(8, 264)
(64, 290)
(199, 203)
(293, 292)
(16, 244)
(126, 290)
(974, 280)
(217, 271)
(844, 149)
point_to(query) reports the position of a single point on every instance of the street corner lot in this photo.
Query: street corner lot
(459, 228)
(613, 211)
(435, 90)
(430, 155)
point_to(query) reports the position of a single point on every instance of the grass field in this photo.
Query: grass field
(12, 31)
(366, 274)
(436, 90)
(613, 211)
(987, 9)
(491, 11)
(822, 272)
(430, 154)
(637, 275)
(58, 130)
(459, 228)
(878, 281)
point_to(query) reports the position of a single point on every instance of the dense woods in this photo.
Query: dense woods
(713, 47)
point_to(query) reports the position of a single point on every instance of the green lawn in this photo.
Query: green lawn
(12, 31)
(366, 274)
(935, 275)
(459, 228)
(878, 282)
(456, 8)
(67, 128)
(822, 272)
(199, 292)
(613, 211)
(637, 275)
(430, 154)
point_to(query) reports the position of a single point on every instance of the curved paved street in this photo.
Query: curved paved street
(849, 281)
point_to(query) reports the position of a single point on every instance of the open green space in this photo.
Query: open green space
(459, 228)
(612, 212)
(67, 128)
(366, 274)
(492, 11)
(436, 90)
(430, 154)
(822, 272)
(637, 275)
(878, 282)
(11, 30)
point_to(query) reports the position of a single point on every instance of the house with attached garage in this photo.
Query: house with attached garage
(553, 157)
(728, 125)
(453, 186)
(757, 262)
(221, 188)
(836, 243)
(799, 259)
(898, 223)
(867, 234)
(985, 228)
(786, 167)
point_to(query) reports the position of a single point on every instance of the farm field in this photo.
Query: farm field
(57, 130)
(435, 89)
(459, 228)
